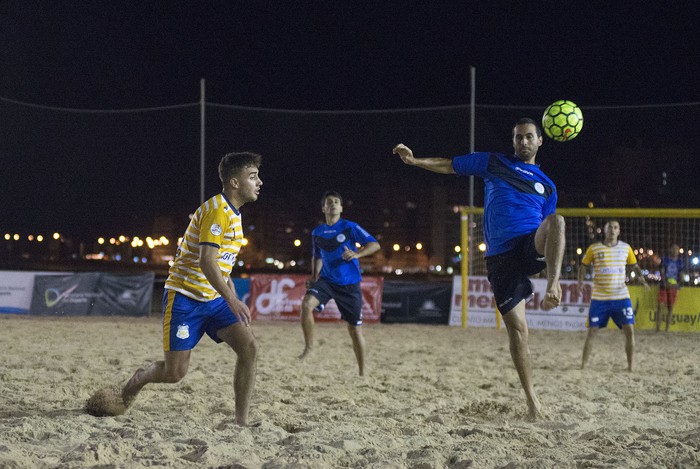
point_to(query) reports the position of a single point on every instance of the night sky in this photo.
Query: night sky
(83, 172)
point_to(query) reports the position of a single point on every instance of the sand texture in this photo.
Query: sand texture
(434, 397)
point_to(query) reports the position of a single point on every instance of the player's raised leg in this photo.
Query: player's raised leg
(307, 323)
(518, 336)
(550, 241)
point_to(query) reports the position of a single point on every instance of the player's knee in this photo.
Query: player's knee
(248, 350)
(308, 304)
(556, 223)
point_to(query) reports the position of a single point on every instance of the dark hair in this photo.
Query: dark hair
(527, 120)
(331, 194)
(232, 163)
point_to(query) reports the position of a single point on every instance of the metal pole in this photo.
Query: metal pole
(202, 105)
(466, 219)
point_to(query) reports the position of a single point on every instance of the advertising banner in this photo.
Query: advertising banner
(685, 315)
(416, 302)
(92, 294)
(278, 298)
(16, 290)
(571, 315)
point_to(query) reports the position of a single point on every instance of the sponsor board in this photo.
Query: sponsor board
(278, 298)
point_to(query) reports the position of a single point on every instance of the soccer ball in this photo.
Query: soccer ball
(562, 120)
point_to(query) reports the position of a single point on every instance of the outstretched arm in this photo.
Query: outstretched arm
(436, 165)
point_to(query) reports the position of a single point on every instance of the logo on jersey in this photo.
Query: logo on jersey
(340, 238)
(183, 331)
(215, 229)
(539, 188)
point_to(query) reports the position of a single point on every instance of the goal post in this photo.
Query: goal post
(650, 232)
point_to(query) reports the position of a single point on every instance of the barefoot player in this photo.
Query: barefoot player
(523, 234)
(199, 294)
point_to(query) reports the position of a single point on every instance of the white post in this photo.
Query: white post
(202, 105)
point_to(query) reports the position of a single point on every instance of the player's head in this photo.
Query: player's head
(239, 172)
(527, 138)
(674, 249)
(232, 163)
(332, 203)
(612, 230)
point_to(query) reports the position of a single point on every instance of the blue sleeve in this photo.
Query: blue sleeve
(550, 206)
(473, 164)
(361, 235)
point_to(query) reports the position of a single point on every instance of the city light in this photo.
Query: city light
(458, 248)
(100, 240)
(56, 236)
(419, 246)
(579, 251)
(297, 242)
(396, 247)
(482, 247)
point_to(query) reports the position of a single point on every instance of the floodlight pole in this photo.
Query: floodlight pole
(202, 105)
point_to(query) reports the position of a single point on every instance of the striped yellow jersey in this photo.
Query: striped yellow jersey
(216, 223)
(609, 269)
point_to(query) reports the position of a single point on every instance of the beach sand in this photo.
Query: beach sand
(434, 397)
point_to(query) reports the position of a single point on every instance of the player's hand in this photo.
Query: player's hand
(241, 311)
(349, 254)
(405, 153)
(309, 282)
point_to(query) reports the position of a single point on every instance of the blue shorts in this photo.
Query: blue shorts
(602, 310)
(348, 298)
(186, 320)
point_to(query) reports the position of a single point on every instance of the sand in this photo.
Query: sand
(434, 397)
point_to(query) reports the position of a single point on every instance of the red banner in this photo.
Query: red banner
(278, 298)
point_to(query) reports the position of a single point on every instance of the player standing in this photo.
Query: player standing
(610, 297)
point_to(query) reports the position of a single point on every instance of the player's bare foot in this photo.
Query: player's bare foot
(106, 402)
(307, 351)
(552, 298)
(534, 410)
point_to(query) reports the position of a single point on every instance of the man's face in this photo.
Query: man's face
(612, 230)
(525, 141)
(249, 182)
(332, 206)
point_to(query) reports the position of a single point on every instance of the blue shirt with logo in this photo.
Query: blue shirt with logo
(329, 242)
(517, 196)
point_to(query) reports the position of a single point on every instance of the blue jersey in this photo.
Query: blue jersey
(517, 196)
(672, 268)
(329, 242)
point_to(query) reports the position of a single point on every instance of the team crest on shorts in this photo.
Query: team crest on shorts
(183, 331)
(340, 238)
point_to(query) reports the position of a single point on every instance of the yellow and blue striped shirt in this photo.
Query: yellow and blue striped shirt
(609, 269)
(215, 223)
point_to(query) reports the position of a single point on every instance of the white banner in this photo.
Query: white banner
(571, 315)
(16, 290)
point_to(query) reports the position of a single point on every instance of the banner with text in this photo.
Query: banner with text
(571, 315)
(278, 298)
(93, 294)
(16, 290)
